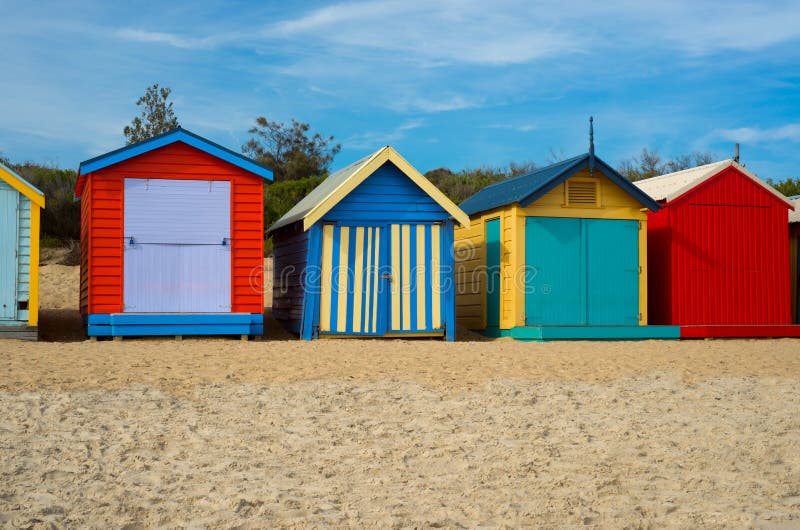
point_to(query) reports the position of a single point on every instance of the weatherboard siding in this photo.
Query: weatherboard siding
(177, 161)
(387, 195)
(614, 203)
(290, 260)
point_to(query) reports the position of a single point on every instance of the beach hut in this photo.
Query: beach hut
(369, 252)
(718, 253)
(172, 239)
(794, 255)
(20, 209)
(559, 253)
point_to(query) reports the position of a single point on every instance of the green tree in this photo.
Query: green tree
(61, 219)
(788, 187)
(650, 164)
(157, 116)
(288, 150)
(462, 185)
(281, 196)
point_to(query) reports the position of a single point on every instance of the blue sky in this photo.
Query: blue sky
(452, 83)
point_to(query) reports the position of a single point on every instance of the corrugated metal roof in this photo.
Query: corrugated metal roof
(318, 194)
(794, 216)
(670, 186)
(525, 189)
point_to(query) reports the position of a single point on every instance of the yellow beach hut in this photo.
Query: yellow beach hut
(559, 253)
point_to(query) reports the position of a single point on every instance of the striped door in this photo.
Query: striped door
(416, 294)
(351, 280)
(381, 279)
(8, 254)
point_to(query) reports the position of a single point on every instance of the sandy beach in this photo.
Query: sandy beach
(151, 433)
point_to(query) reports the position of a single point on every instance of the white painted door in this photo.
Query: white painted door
(177, 246)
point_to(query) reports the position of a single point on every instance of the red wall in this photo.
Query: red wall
(719, 255)
(102, 224)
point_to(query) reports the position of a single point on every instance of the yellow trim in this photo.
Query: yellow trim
(436, 253)
(405, 292)
(395, 276)
(367, 298)
(327, 272)
(22, 186)
(344, 249)
(33, 267)
(358, 278)
(380, 157)
(421, 287)
(376, 278)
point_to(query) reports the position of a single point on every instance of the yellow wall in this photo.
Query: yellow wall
(33, 296)
(615, 203)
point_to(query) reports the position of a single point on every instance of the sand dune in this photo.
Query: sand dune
(214, 432)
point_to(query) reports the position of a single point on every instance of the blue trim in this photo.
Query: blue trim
(351, 279)
(428, 279)
(178, 135)
(335, 260)
(449, 293)
(310, 322)
(412, 280)
(161, 324)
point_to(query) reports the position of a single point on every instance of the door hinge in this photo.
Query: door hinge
(640, 269)
(641, 317)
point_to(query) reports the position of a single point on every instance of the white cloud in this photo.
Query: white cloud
(376, 139)
(790, 132)
(177, 41)
(523, 127)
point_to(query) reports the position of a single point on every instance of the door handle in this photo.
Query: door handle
(386, 276)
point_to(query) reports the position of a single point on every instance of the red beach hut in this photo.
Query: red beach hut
(172, 239)
(718, 253)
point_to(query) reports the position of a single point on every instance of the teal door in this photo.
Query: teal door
(554, 292)
(493, 273)
(581, 272)
(613, 272)
(8, 254)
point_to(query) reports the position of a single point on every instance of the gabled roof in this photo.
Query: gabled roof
(21, 185)
(794, 216)
(340, 183)
(672, 185)
(525, 189)
(178, 135)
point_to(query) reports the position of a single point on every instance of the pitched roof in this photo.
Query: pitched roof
(672, 185)
(525, 189)
(21, 185)
(794, 216)
(340, 183)
(178, 135)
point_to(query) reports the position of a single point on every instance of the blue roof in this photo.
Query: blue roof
(525, 189)
(178, 135)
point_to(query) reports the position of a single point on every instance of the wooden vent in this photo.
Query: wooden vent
(581, 193)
